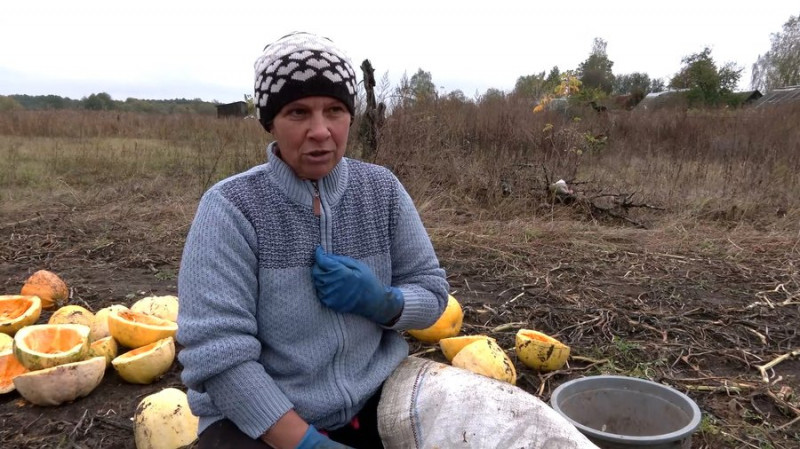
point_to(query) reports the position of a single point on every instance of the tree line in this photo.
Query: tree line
(704, 81)
(103, 102)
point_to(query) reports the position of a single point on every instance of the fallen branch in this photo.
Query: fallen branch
(780, 288)
(714, 388)
(788, 424)
(424, 351)
(25, 221)
(507, 326)
(80, 423)
(768, 366)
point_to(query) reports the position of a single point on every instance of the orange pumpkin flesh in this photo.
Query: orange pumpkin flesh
(52, 341)
(18, 311)
(9, 369)
(138, 317)
(40, 346)
(133, 329)
(48, 286)
(15, 308)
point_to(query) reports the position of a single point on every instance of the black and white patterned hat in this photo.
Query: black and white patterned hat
(301, 65)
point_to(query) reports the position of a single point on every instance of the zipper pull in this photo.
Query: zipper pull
(316, 201)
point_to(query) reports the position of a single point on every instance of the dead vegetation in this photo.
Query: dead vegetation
(692, 279)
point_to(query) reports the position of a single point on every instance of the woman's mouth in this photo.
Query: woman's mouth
(317, 155)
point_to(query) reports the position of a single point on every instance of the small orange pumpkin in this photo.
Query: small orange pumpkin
(50, 288)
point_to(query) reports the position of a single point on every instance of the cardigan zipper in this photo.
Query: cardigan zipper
(341, 334)
(317, 204)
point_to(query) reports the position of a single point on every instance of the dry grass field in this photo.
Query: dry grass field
(677, 259)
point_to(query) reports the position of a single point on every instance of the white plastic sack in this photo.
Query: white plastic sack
(430, 405)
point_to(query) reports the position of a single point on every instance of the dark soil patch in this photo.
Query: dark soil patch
(698, 312)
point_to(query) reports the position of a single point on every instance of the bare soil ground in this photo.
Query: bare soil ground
(698, 308)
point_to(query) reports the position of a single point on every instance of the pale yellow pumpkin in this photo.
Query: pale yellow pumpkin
(62, 383)
(72, 314)
(163, 420)
(105, 347)
(165, 307)
(6, 342)
(487, 358)
(18, 311)
(134, 330)
(146, 364)
(100, 326)
(451, 346)
(41, 346)
(540, 351)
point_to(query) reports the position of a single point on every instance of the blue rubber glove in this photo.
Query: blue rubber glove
(315, 440)
(348, 286)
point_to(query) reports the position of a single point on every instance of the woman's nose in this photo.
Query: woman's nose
(320, 129)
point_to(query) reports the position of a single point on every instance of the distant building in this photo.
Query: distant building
(779, 96)
(748, 97)
(675, 98)
(236, 109)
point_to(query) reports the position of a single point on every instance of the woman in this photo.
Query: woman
(298, 274)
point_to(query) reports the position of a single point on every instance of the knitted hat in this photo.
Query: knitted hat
(301, 65)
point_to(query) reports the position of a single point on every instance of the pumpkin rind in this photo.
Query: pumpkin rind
(446, 326)
(451, 346)
(41, 346)
(63, 383)
(146, 364)
(50, 288)
(165, 307)
(487, 358)
(134, 330)
(163, 420)
(540, 351)
(6, 342)
(100, 326)
(72, 314)
(10, 368)
(18, 311)
(105, 347)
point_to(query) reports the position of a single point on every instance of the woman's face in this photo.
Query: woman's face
(312, 135)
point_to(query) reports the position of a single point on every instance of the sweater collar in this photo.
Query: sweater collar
(331, 187)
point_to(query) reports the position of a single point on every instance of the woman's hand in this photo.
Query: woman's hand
(315, 440)
(349, 286)
(288, 432)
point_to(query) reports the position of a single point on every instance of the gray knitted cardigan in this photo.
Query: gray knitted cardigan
(256, 339)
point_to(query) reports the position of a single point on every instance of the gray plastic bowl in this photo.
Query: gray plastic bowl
(618, 412)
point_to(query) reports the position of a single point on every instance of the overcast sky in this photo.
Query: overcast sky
(165, 49)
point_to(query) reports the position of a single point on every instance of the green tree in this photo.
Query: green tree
(595, 72)
(8, 104)
(707, 85)
(422, 87)
(98, 102)
(553, 79)
(531, 86)
(657, 85)
(251, 107)
(780, 66)
(492, 94)
(457, 95)
(632, 83)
